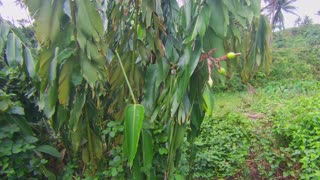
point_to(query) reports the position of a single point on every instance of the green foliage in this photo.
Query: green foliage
(81, 88)
(223, 146)
(20, 153)
(297, 127)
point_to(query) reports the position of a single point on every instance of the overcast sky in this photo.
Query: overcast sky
(10, 11)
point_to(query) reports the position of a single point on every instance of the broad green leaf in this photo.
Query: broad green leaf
(11, 50)
(29, 63)
(65, 82)
(16, 110)
(49, 150)
(187, 63)
(4, 30)
(147, 151)
(90, 71)
(4, 105)
(89, 20)
(156, 74)
(49, 100)
(18, 51)
(80, 99)
(53, 67)
(62, 117)
(218, 21)
(85, 155)
(208, 98)
(48, 17)
(134, 116)
(150, 89)
(211, 40)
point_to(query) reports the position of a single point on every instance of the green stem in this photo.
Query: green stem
(125, 76)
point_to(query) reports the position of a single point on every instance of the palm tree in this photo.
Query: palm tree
(297, 22)
(306, 21)
(275, 9)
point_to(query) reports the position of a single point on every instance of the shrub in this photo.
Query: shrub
(224, 143)
(298, 127)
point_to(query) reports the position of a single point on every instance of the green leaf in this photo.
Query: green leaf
(65, 82)
(49, 150)
(16, 110)
(29, 62)
(147, 151)
(4, 30)
(90, 71)
(187, 63)
(76, 111)
(208, 98)
(4, 105)
(89, 20)
(48, 17)
(53, 67)
(219, 20)
(156, 74)
(49, 100)
(11, 50)
(23, 124)
(134, 116)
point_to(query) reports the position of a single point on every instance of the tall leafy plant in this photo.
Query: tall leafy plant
(157, 84)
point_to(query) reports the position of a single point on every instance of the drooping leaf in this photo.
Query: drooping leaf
(89, 21)
(11, 50)
(49, 100)
(48, 16)
(219, 18)
(29, 62)
(76, 111)
(53, 67)
(147, 151)
(90, 71)
(208, 99)
(65, 82)
(134, 116)
(49, 150)
(4, 30)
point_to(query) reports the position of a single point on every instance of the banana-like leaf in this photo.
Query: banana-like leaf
(29, 62)
(65, 82)
(134, 116)
(14, 50)
(4, 30)
(219, 18)
(187, 64)
(76, 112)
(89, 71)
(48, 15)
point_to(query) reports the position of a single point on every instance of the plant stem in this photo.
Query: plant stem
(125, 76)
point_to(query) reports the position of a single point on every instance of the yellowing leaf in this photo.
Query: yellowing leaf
(65, 82)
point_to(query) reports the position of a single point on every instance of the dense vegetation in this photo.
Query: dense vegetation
(125, 90)
(273, 131)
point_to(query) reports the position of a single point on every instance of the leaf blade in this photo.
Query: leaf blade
(134, 116)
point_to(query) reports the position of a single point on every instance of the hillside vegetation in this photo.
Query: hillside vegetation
(271, 131)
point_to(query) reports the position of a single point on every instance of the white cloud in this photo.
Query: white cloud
(12, 12)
